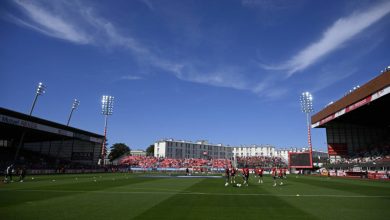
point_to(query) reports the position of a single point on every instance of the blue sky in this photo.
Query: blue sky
(228, 71)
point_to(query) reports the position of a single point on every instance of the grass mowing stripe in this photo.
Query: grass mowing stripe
(210, 199)
(197, 193)
(347, 186)
(46, 181)
(336, 202)
(65, 188)
(95, 204)
(134, 197)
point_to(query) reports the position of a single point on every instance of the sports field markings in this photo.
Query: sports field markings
(164, 189)
(185, 177)
(197, 193)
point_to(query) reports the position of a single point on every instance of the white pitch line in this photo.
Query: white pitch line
(164, 189)
(197, 193)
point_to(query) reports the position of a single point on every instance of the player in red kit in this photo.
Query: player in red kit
(256, 171)
(281, 175)
(260, 174)
(246, 175)
(227, 175)
(274, 175)
(233, 175)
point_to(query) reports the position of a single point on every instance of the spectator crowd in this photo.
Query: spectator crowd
(261, 161)
(154, 162)
(370, 155)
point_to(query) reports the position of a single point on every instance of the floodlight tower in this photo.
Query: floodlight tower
(75, 104)
(40, 91)
(107, 108)
(307, 108)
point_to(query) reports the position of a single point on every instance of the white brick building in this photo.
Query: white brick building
(178, 149)
(138, 152)
(185, 149)
(254, 150)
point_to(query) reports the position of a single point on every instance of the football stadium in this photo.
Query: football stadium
(243, 74)
(53, 171)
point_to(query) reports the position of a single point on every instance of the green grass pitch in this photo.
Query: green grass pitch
(127, 196)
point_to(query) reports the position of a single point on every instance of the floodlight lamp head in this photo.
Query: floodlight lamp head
(107, 105)
(306, 102)
(41, 89)
(76, 103)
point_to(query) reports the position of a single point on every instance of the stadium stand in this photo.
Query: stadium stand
(358, 130)
(220, 164)
(45, 145)
(261, 161)
(153, 162)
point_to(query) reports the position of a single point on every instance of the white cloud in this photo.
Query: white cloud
(333, 38)
(221, 78)
(79, 24)
(74, 23)
(230, 77)
(269, 5)
(130, 77)
(329, 76)
(148, 4)
(50, 24)
(108, 33)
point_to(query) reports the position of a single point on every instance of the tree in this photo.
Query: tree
(150, 150)
(118, 150)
